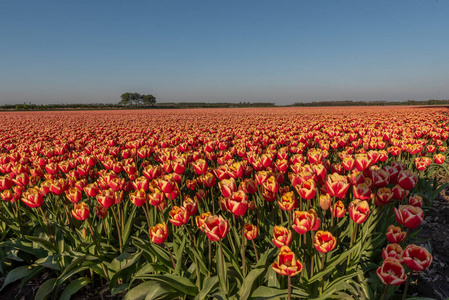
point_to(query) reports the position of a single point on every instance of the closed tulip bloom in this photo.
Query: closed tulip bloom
(393, 250)
(307, 189)
(33, 197)
(415, 200)
(80, 211)
(5, 183)
(216, 228)
(178, 216)
(325, 201)
(7, 195)
(409, 216)
(304, 221)
(438, 158)
(395, 234)
(179, 165)
(159, 233)
(383, 196)
(22, 179)
(249, 186)
(339, 209)
(359, 211)
(138, 198)
(227, 187)
(391, 272)
(362, 191)
(362, 162)
(337, 185)
(73, 195)
(141, 183)
(191, 184)
(288, 201)
(106, 198)
(324, 241)
(381, 178)
(91, 189)
(348, 163)
(251, 232)
(282, 236)
(268, 195)
(407, 180)
(200, 166)
(199, 220)
(237, 203)
(286, 263)
(417, 258)
(399, 193)
(190, 205)
(166, 184)
(271, 184)
(156, 198)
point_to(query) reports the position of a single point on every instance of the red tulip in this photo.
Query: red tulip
(395, 234)
(178, 216)
(216, 228)
(251, 232)
(159, 233)
(393, 250)
(33, 197)
(417, 258)
(391, 272)
(359, 211)
(409, 216)
(281, 236)
(337, 185)
(286, 263)
(80, 211)
(324, 241)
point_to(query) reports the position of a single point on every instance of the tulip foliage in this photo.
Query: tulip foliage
(232, 204)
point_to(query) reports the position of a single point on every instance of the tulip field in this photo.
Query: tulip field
(259, 203)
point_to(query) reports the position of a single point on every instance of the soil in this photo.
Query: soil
(434, 282)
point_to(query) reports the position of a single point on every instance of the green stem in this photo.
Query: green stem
(171, 256)
(289, 287)
(243, 248)
(409, 277)
(118, 230)
(255, 251)
(384, 295)
(224, 267)
(96, 248)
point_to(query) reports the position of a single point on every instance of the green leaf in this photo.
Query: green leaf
(272, 279)
(50, 262)
(182, 284)
(265, 293)
(248, 282)
(16, 274)
(330, 266)
(140, 292)
(74, 287)
(43, 243)
(178, 255)
(149, 268)
(45, 289)
(221, 268)
(209, 285)
(128, 226)
(266, 258)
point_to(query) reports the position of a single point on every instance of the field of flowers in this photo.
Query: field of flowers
(219, 204)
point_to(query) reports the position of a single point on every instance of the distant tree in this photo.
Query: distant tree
(136, 99)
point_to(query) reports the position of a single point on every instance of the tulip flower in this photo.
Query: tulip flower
(227, 187)
(107, 198)
(337, 185)
(33, 197)
(271, 185)
(304, 221)
(138, 197)
(409, 216)
(306, 189)
(199, 220)
(281, 236)
(359, 211)
(251, 232)
(324, 241)
(416, 200)
(338, 210)
(362, 191)
(237, 203)
(178, 216)
(417, 258)
(391, 272)
(288, 201)
(438, 158)
(325, 201)
(407, 180)
(80, 212)
(286, 263)
(383, 196)
(395, 234)
(216, 228)
(159, 233)
(393, 250)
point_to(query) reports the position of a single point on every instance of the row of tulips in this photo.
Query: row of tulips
(142, 208)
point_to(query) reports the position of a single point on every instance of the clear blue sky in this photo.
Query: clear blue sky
(221, 50)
